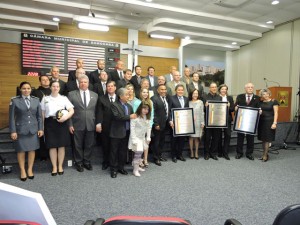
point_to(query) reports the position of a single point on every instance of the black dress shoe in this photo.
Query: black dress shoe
(104, 166)
(88, 166)
(122, 171)
(174, 160)
(206, 157)
(113, 174)
(220, 155)
(53, 174)
(214, 157)
(31, 177)
(250, 157)
(163, 159)
(157, 162)
(79, 167)
(226, 157)
(238, 156)
(181, 158)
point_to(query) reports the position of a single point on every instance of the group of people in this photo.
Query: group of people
(126, 114)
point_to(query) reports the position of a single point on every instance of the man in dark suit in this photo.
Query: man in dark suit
(117, 73)
(196, 84)
(160, 123)
(55, 77)
(177, 101)
(104, 117)
(251, 100)
(212, 135)
(122, 112)
(126, 79)
(151, 77)
(74, 84)
(95, 75)
(136, 80)
(100, 87)
(72, 73)
(82, 124)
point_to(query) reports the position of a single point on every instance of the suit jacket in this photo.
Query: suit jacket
(155, 82)
(169, 91)
(98, 88)
(94, 77)
(104, 115)
(160, 115)
(168, 77)
(63, 87)
(122, 83)
(119, 119)
(41, 92)
(137, 86)
(72, 75)
(191, 88)
(72, 86)
(83, 118)
(114, 75)
(171, 85)
(174, 103)
(241, 101)
(23, 120)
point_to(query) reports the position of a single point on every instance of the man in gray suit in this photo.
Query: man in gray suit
(169, 77)
(82, 124)
(176, 80)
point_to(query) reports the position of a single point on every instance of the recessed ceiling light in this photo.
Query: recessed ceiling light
(161, 36)
(187, 38)
(56, 19)
(148, 0)
(234, 43)
(275, 2)
(269, 22)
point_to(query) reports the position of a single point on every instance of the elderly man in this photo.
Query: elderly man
(122, 112)
(176, 81)
(82, 124)
(251, 100)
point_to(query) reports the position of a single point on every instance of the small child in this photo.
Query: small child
(140, 135)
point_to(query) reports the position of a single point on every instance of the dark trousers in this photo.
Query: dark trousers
(212, 137)
(178, 144)
(223, 147)
(118, 152)
(83, 142)
(240, 143)
(105, 146)
(157, 142)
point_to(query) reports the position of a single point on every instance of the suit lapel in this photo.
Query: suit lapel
(79, 99)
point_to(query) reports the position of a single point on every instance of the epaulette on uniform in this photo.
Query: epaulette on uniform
(34, 97)
(14, 97)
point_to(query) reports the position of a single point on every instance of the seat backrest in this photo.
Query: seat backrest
(288, 216)
(137, 220)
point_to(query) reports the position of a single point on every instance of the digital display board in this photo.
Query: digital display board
(41, 52)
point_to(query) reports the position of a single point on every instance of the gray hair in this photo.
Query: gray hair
(264, 91)
(121, 92)
(83, 77)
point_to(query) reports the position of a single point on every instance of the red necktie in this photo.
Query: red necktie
(248, 99)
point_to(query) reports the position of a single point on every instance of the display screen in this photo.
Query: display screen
(41, 52)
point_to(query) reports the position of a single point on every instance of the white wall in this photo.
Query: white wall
(275, 56)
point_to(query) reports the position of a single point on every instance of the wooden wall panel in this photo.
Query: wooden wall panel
(161, 65)
(119, 35)
(144, 39)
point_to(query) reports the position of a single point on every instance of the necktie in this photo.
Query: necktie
(248, 99)
(121, 75)
(126, 113)
(104, 88)
(181, 101)
(84, 99)
(27, 101)
(111, 99)
(166, 109)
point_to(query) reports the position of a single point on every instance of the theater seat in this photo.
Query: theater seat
(288, 216)
(136, 220)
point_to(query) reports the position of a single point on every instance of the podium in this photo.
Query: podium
(284, 96)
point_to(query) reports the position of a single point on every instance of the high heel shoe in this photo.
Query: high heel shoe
(53, 174)
(266, 159)
(31, 177)
(23, 179)
(61, 173)
(146, 164)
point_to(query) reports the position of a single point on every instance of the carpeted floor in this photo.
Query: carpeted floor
(204, 192)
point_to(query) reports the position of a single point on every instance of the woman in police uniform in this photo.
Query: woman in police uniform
(56, 129)
(26, 126)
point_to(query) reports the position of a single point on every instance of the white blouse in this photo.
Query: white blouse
(50, 105)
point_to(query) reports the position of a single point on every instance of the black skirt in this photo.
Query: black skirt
(56, 134)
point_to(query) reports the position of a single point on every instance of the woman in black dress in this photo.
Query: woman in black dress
(267, 121)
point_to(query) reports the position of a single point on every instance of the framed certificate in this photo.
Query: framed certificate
(246, 120)
(216, 114)
(183, 120)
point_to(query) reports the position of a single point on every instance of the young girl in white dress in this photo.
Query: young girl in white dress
(140, 135)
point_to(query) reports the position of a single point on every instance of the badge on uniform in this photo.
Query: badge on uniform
(60, 113)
